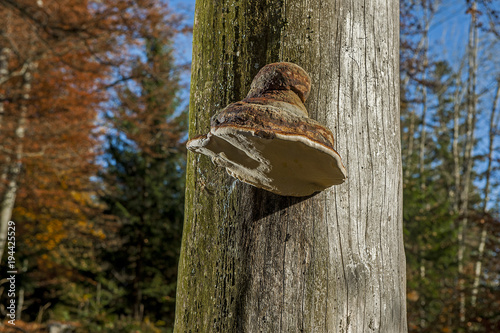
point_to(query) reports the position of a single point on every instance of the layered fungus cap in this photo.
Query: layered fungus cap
(267, 139)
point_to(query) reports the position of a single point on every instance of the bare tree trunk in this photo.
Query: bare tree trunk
(20, 298)
(15, 163)
(494, 122)
(138, 277)
(253, 261)
(423, 138)
(411, 140)
(429, 7)
(468, 160)
(4, 72)
(4, 162)
(423, 133)
(457, 163)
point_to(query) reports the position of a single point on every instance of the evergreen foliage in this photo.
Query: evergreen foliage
(445, 129)
(144, 187)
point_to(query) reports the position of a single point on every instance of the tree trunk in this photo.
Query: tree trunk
(252, 261)
(458, 96)
(423, 138)
(411, 140)
(468, 158)
(482, 242)
(4, 161)
(14, 164)
(138, 275)
(423, 87)
(4, 72)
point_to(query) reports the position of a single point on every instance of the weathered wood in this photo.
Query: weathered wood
(253, 261)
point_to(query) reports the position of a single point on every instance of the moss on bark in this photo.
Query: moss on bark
(253, 261)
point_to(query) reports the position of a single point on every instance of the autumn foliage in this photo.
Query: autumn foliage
(50, 105)
(63, 67)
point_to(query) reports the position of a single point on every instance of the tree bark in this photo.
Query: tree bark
(252, 261)
(468, 158)
(8, 198)
(4, 72)
(423, 138)
(423, 87)
(4, 161)
(458, 96)
(411, 140)
(493, 128)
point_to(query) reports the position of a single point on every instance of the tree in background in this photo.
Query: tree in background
(61, 62)
(144, 183)
(48, 104)
(450, 142)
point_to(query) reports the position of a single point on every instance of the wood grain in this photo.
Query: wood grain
(253, 261)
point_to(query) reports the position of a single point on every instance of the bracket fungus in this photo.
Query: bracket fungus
(267, 139)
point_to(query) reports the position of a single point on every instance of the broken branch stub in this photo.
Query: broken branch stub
(267, 139)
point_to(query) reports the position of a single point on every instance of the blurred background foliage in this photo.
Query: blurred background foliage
(92, 165)
(450, 81)
(92, 158)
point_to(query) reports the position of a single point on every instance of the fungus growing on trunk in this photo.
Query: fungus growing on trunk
(267, 139)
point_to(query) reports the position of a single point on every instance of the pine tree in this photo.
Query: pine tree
(144, 186)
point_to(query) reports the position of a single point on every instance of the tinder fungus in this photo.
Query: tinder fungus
(267, 139)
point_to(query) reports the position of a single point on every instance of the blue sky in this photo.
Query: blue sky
(447, 41)
(448, 35)
(448, 32)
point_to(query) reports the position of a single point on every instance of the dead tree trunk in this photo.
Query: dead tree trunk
(253, 261)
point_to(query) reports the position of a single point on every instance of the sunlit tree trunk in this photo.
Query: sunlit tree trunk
(428, 13)
(15, 161)
(458, 96)
(468, 160)
(493, 128)
(252, 261)
(423, 87)
(411, 143)
(423, 137)
(4, 72)
(429, 9)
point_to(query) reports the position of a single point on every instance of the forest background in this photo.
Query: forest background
(93, 109)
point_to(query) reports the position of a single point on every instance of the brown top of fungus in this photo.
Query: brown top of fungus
(281, 76)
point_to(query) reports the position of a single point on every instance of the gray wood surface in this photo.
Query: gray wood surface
(253, 261)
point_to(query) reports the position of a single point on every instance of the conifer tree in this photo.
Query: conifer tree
(144, 186)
